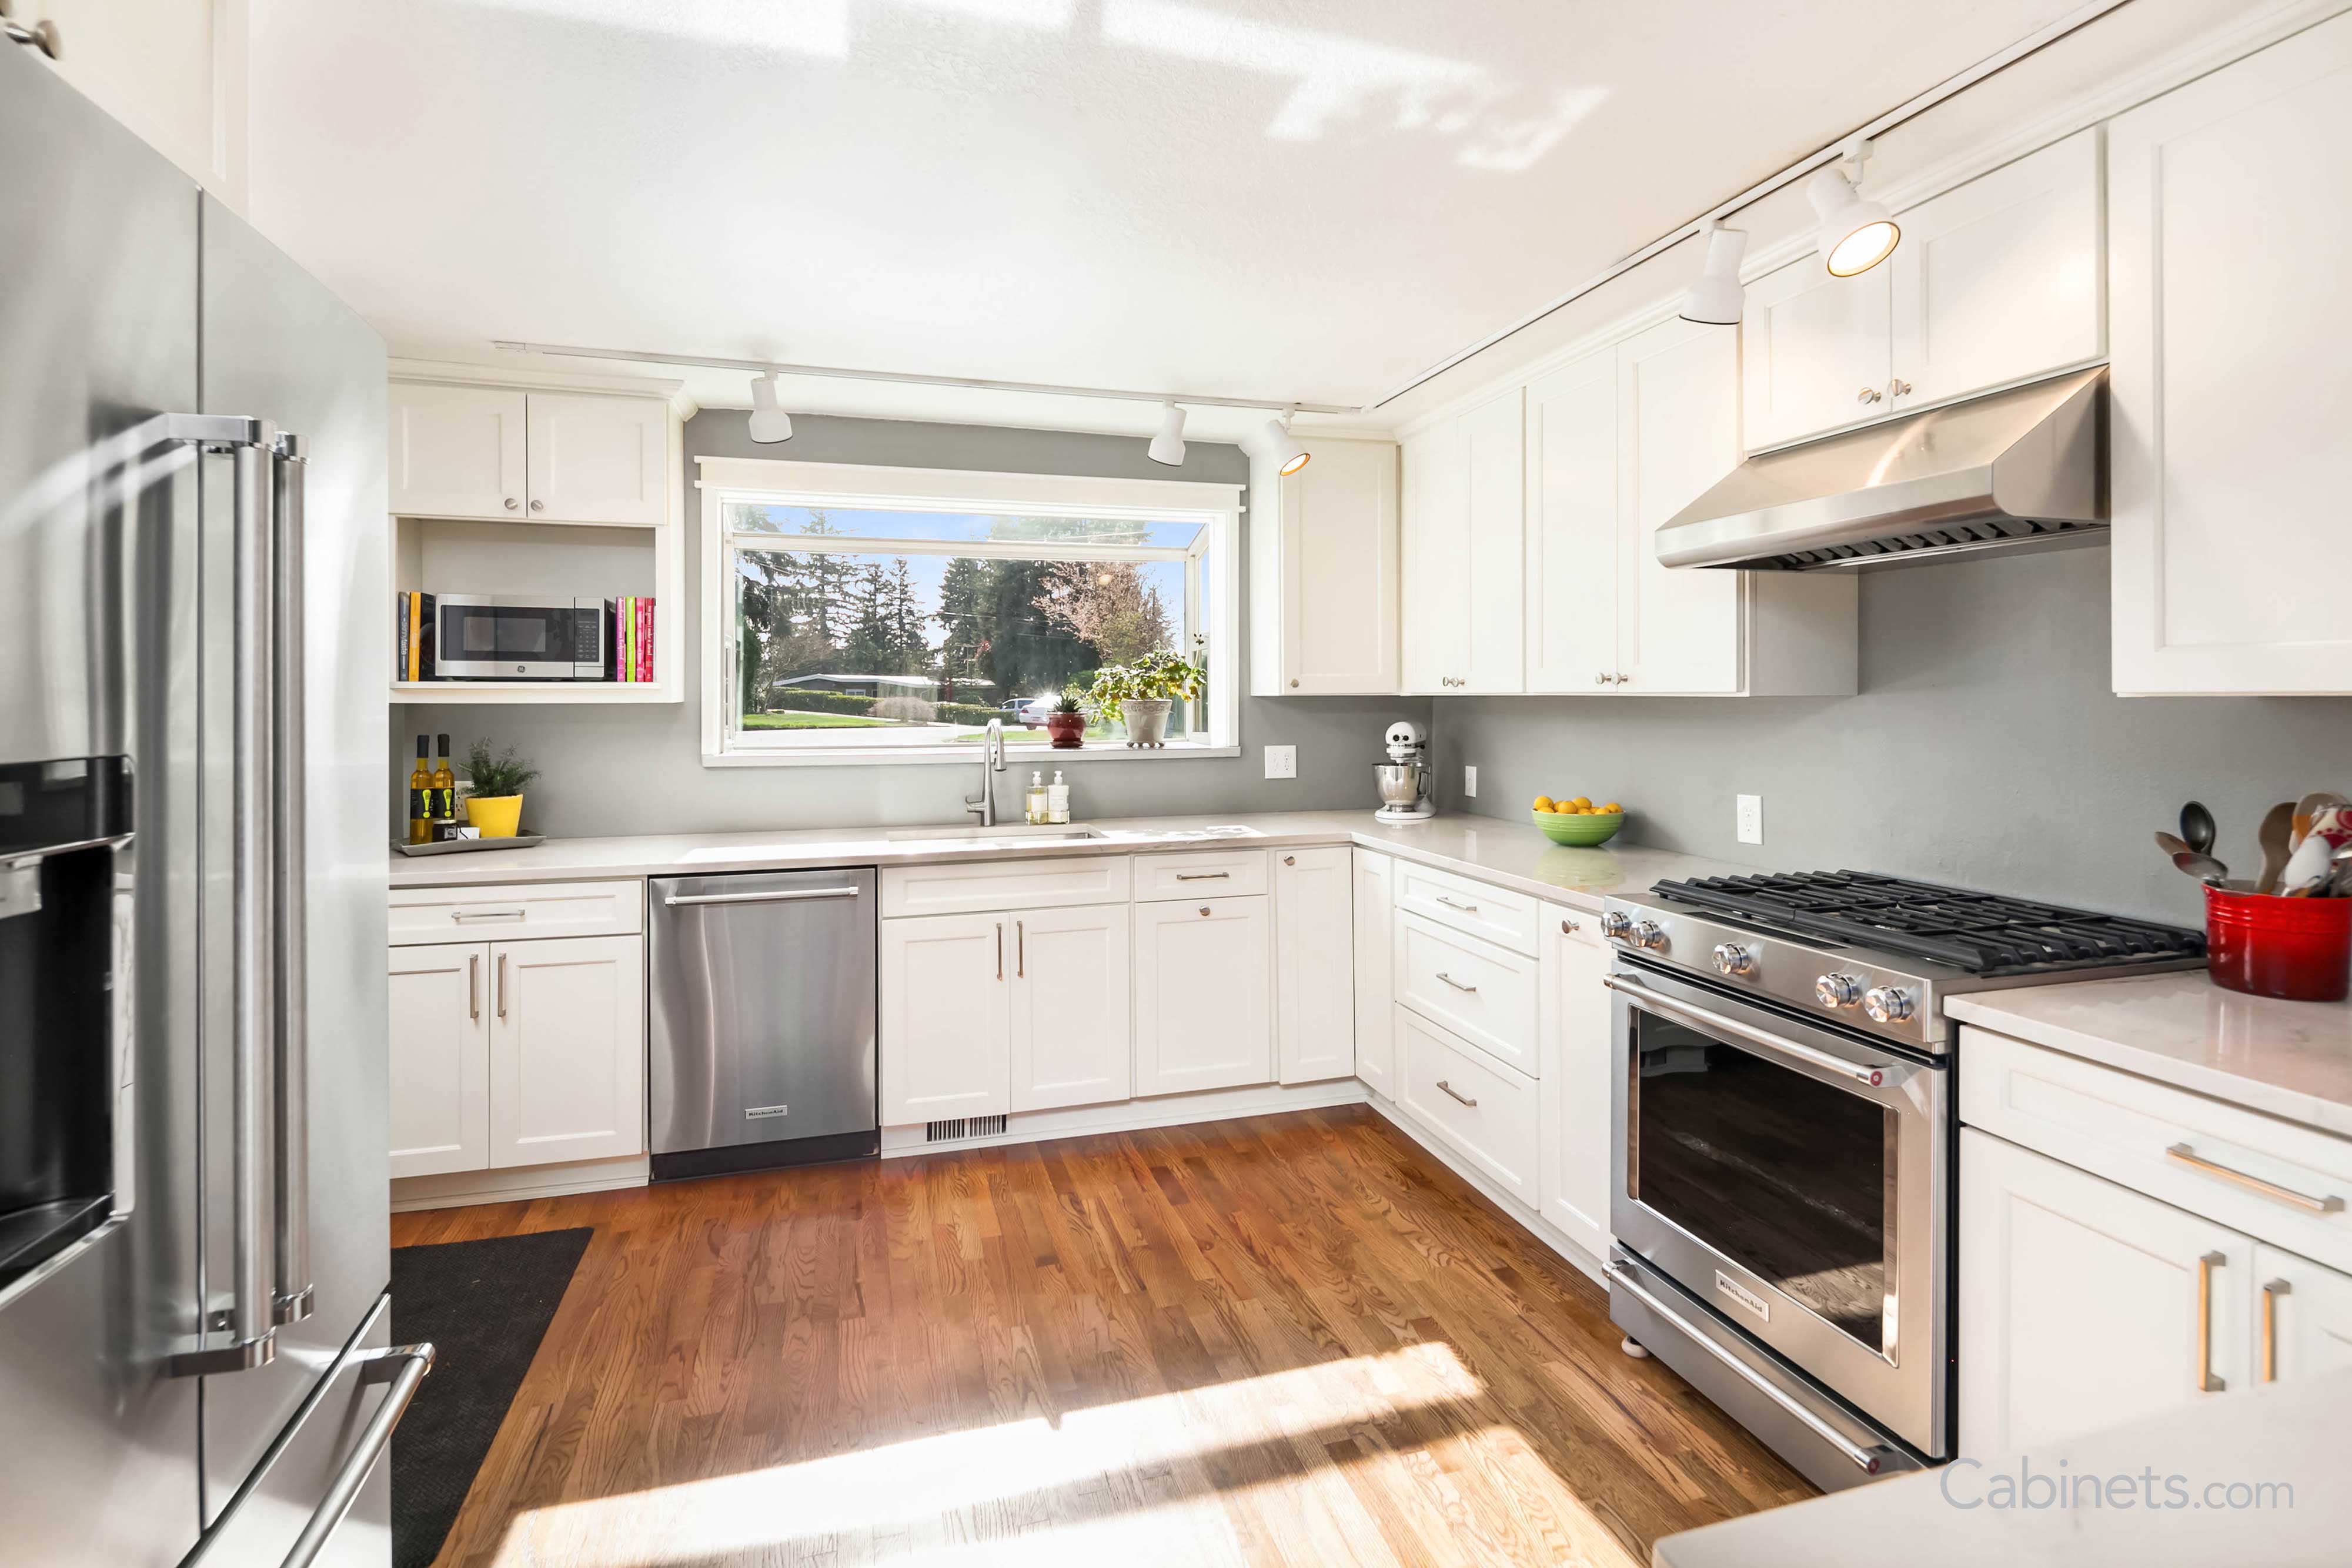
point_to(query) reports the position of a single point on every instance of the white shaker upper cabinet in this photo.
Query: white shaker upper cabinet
(1572, 535)
(1465, 551)
(1678, 432)
(1436, 587)
(1999, 279)
(456, 452)
(2230, 216)
(598, 459)
(1323, 573)
(1816, 348)
(1494, 464)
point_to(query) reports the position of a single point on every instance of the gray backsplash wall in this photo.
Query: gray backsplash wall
(638, 770)
(1986, 748)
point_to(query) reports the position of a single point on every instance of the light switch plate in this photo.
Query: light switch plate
(1282, 762)
(1751, 819)
(1470, 783)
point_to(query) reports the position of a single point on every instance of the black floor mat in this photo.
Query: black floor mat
(484, 1305)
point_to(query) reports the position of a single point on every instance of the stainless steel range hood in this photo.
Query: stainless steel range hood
(2021, 469)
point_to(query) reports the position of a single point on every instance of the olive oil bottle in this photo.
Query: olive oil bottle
(420, 796)
(445, 797)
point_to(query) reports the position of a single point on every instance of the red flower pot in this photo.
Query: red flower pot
(1068, 730)
(2296, 948)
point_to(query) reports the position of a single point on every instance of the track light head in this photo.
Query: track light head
(1168, 446)
(1718, 298)
(1854, 235)
(770, 423)
(1288, 457)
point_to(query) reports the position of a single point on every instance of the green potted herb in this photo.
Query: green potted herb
(1065, 721)
(494, 800)
(1147, 689)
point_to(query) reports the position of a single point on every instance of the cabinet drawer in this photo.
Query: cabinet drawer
(1486, 1114)
(964, 888)
(2121, 1126)
(1485, 994)
(516, 913)
(1509, 918)
(1208, 874)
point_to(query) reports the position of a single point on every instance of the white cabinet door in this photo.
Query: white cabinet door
(1203, 995)
(2303, 1317)
(1572, 537)
(456, 452)
(1072, 1035)
(1314, 972)
(1815, 349)
(2230, 213)
(1678, 433)
(2083, 1304)
(1999, 279)
(1435, 525)
(1375, 964)
(598, 459)
(1579, 1058)
(945, 1017)
(1494, 472)
(1335, 585)
(440, 1059)
(567, 1049)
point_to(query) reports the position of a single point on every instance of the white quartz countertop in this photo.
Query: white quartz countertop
(2288, 1058)
(1508, 854)
(2291, 1434)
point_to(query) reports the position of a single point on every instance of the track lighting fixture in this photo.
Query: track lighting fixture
(1718, 298)
(1168, 446)
(768, 424)
(1854, 235)
(1288, 457)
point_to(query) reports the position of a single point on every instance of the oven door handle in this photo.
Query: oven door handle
(1870, 1076)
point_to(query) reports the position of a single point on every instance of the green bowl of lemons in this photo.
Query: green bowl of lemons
(1576, 821)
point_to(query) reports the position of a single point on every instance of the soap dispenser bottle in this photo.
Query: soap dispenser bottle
(1057, 799)
(1036, 809)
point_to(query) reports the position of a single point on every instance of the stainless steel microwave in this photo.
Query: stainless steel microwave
(522, 637)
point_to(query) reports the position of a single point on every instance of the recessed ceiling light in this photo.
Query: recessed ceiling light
(1168, 446)
(1717, 299)
(1854, 235)
(1288, 457)
(770, 423)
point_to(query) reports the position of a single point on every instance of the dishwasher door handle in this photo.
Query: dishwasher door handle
(780, 896)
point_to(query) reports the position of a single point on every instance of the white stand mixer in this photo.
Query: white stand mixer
(1406, 787)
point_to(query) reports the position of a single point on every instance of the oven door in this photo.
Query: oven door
(489, 639)
(1794, 1179)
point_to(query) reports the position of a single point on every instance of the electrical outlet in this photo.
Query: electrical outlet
(1751, 819)
(1470, 783)
(1282, 762)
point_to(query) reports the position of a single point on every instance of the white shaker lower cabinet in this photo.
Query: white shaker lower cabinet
(945, 1017)
(1203, 995)
(1071, 1033)
(1481, 1110)
(2302, 1326)
(567, 1049)
(1314, 968)
(1578, 1057)
(440, 1059)
(1375, 965)
(2083, 1305)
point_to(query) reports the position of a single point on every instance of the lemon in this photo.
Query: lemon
(1611, 810)
(1543, 803)
(1585, 801)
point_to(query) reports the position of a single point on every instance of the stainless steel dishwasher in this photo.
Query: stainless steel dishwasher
(762, 989)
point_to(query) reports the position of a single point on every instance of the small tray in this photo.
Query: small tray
(460, 846)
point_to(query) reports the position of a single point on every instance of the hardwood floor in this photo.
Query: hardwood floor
(1290, 1339)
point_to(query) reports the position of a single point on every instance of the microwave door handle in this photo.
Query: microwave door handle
(1870, 1076)
(293, 1298)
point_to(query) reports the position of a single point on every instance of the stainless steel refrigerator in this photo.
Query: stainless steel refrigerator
(194, 1336)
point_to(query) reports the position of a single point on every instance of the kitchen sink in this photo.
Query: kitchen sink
(1057, 833)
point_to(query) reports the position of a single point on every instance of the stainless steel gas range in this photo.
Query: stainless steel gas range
(1784, 1108)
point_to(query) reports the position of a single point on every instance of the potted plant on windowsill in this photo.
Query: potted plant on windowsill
(1065, 721)
(1145, 691)
(494, 796)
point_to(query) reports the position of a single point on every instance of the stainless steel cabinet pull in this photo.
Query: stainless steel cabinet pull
(1020, 950)
(293, 1297)
(2207, 1381)
(1203, 875)
(781, 896)
(462, 915)
(2187, 1155)
(1000, 949)
(1455, 983)
(1876, 1074)
(2271, 1294)
(502, 984)
(1465, 908)
(473, 985)
(1455, 1094)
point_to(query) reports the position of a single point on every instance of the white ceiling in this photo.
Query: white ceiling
(1295, 199)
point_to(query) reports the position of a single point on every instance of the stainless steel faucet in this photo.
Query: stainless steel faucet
(991, 761)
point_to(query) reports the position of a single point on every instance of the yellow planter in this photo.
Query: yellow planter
(494, 816)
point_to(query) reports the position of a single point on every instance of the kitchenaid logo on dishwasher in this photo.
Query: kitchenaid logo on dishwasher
(759, 1113)
(1743, 1295)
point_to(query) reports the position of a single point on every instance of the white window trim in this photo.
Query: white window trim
(1218, 506)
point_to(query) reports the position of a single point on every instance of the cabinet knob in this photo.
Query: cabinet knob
(1898, 387)
(41, 34)
(1290, 860)
(512, 504)
(1566, 925)
(1867, 395)
(538, 506)
(1600, 678)
(1204, 909)
(1294, 682)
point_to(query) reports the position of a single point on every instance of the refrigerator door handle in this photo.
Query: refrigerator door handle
(292, 1300)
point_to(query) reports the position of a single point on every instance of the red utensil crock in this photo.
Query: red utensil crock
(2296, 948)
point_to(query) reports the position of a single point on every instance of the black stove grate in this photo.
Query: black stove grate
(1982, 933)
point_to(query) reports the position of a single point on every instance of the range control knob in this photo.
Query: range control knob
(1836, 990)
(1887, 1004)
(1615, 925)
(1651, 935)
(1731, 959)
